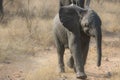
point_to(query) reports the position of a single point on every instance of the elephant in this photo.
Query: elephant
(73, 28)
(79, 3)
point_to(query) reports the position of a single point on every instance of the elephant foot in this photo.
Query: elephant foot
(74, 69)
(62, 70)
(81, 75)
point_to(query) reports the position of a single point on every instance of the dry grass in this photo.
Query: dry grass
(20, 36)
(116, 74)
(46, 73)
(49, 73)
(16, 38)
(49, 70)
(109, 13)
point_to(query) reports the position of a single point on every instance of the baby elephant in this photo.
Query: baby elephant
(73, 27)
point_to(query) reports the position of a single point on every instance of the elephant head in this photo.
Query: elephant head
(91, 25)
(88, 21)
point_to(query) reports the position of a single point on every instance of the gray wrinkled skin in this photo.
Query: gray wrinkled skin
(73, 27)
(78, 43)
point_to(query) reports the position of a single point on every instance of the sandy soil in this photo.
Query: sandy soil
(26, 64)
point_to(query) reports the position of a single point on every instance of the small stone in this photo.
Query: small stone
(21, 71)
(106, 59)
(108, 75)
(7, 62)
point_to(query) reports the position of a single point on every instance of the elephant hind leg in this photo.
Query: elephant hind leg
(60, 52)
(70, 63)
(61, 59)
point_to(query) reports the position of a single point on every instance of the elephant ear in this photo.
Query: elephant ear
(87, 3)
(69, 17)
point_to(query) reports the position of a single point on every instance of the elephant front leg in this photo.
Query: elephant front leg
(75, 48)
(85, 48)
(78, 63)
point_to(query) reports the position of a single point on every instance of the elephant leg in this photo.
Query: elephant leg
(60, 59)
(78, 65)
(60, 51)
(75, 48)
(85, 51)
(70, 63)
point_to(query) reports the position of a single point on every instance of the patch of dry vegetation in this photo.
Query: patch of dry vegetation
(45, 73)
(26, 25)
(116, 74)
(109, 13)
(50, 71)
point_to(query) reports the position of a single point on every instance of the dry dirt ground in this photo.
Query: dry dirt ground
(43, 65)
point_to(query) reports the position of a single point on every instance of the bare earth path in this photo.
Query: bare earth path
(43, 66)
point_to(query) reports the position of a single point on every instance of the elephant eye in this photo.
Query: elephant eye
(86, 25)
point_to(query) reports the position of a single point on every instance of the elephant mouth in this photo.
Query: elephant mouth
(89, 32)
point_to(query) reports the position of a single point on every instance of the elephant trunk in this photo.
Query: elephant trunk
(98, 37)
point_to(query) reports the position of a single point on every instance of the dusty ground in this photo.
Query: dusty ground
(43, 65)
